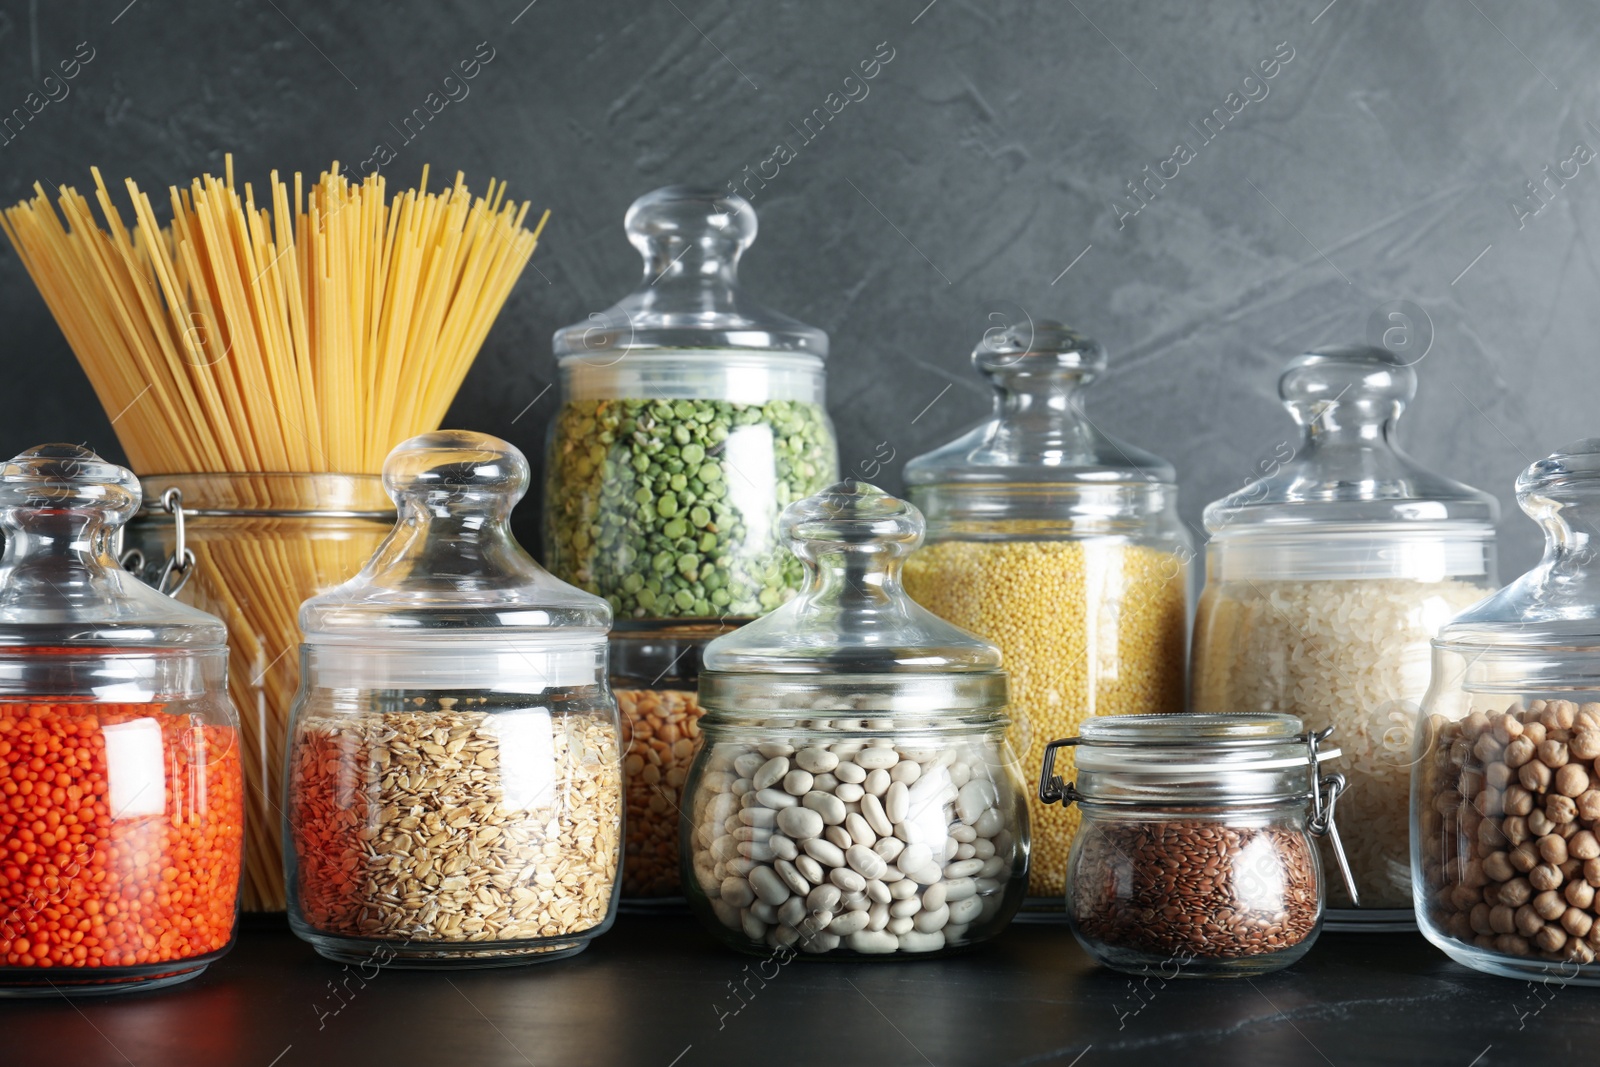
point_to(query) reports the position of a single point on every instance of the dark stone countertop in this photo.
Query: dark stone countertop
(652, 993)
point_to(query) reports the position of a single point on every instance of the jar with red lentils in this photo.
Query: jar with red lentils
(121, 790)
(1505, 779)
(1063, 546)
(1195, 856)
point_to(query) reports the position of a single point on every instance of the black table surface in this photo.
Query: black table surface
(656, 992)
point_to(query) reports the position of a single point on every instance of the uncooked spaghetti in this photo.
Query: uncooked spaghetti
(309, 335)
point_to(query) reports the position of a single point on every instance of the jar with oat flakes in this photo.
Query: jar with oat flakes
(454, 785)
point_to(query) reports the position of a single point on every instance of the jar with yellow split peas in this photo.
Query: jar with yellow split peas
(655, 673)
(1061, 545)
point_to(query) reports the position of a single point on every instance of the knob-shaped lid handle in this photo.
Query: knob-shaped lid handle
(448, 468)
(690, 223)
(1353, 385)
(66, 478)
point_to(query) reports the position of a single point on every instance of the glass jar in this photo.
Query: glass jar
(1195, 852)
(855, 794)
(454, 779)
(690, 418)
(1325, 581)
(123, 833)
(1064, 547)
(1505, 800)
(260, 544)
(655, 676)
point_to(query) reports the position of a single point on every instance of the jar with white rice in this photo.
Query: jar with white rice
(1326, 581)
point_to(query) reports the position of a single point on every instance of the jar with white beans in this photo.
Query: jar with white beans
(855, 794)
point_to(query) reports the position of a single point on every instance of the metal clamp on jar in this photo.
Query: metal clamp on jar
(1195, 850)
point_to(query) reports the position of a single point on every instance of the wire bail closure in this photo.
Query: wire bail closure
(1325, 793)
(179, 567)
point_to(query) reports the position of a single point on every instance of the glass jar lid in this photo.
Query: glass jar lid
(61, 587)
(852, 628)
(691, 239)
(1348, 470)
(1556, 605)
(450, 581)
(1038, 432)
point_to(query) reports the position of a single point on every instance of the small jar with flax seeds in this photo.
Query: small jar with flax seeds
(1195, 856)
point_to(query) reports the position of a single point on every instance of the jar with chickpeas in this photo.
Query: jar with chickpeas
(1064, 547)
(1506, 775)
(855, 793)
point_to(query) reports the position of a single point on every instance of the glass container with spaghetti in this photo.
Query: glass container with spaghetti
(690, 418)
(121, 806)
(455, 772)
(1061, 545)
(260, 360)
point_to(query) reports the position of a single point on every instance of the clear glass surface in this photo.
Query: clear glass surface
(1325, 582)
(1063, 546)
(691, 417)
(454, 793)
(121, 847)
(1505, 810)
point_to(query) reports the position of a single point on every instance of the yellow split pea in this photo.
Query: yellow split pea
(1086, 628)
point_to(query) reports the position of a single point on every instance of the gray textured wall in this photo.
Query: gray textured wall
(990, 153)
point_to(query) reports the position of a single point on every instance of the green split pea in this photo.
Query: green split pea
(669, 508)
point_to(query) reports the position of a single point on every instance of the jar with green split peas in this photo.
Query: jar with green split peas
(690, 417)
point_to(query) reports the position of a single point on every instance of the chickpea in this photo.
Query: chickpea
(1549, 905)
(1579, 894)
(1507, 728)
(1447, 801)
(1552, 753)
(1498, 867)
(1590, 712)
(1535, 776)
(1525, 857)
(1462, 897)
(1488, 801)
(1515, 892)
(1528, 921)
(1566, 714)
(1502, 919)
(1572, 780)
(1473, 725)
(1490, 836)
(1589, 805)
(1512, 945)
(1570, 869)
(1518, 801)
(1519, 751)
(1578, 952)
(1585, 743)
(1485, 941)
(1540, 824)
(1568, 830)
(1545, 876)
(1487, 749)
(1459, 926)
(1471, 783)
(1591, 872)
(1559, 809)
(1577, 921)
(1551, 938)
(1552, 848)
(1584, 845)
(1534, 709)
(1479, 919)
(1534, 731)
(1472, 874)
(1515, 829)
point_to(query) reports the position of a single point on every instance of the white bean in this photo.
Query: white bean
(768, 886)
(877, 758)
(877, 782)
(759, 851)
(748, 764)
(775, 748)
(906, 771)
(793, 911)
(906, 908)
(929, 921)
(736, 892)
(775, 798)
(816, 759)
(889, 848)
(914, 858)
(850, 773)
(800, 823)
(830, 807)
(897, 801)
(798, 783)
(846, 879)
(878, 917)
(791, 877)
(765, 912)
(859, 831)
(783, 847)
(823, 898)
(849, 792)
(917, 941)
(989, 824)
(824, 783)
(810, 868)
(824, 852)
(873, 942)
(876, 817)
(758, 817)
(865, 862)
(849, 923)
(966, 910)
(904, 890)
(820, 942)
(960, 889)
(754, 928)
(963, 868)
(933, 897)
(899, 925)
